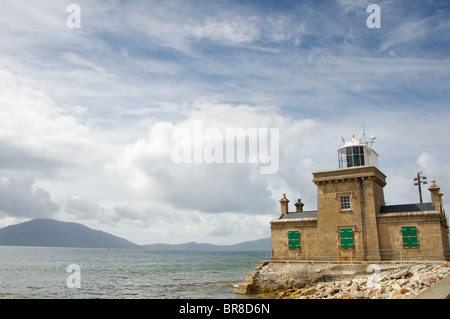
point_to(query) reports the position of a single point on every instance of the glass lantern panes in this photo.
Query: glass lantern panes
(351, 156)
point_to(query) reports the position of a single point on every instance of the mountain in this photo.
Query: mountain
(259, 244)
(52, 233)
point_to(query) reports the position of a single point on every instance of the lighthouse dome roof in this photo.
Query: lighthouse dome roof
(353, 142)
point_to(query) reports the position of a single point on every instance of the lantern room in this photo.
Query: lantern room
(357, 153)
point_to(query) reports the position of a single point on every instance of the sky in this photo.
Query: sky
(93, 97)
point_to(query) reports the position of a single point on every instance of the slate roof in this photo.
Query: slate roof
(407, 208)
(295, 215)
(403, 208)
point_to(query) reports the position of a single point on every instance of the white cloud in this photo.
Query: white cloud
(238, 30)
(80, 208)
(147, 168)
(434, 168)
(36, 134)
(20, 197)
(406, 33)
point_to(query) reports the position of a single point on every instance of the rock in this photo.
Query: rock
(376, 294)
(443, 270)
(410, 287)
(309, 291)
(354, 288)
(330, 291)
(342, 295)
(397, 292)
(400, 297)
(399, 274)
(283, 294)
(403, 282)
(358, 295)
(416, 277)
(427, 281)
(416, 268)
(361, 281)
(297, 292)
(396, 286)
(321, 285)
(424, 270)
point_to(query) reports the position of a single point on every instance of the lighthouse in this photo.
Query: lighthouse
(352, 221)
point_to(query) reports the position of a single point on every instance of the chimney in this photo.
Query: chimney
(284, 204)
(299, 206)
(436, 195)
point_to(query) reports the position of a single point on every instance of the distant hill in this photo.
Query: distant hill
(52, 233)
(254, 245)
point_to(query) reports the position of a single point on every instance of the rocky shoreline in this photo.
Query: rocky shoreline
(401, 283)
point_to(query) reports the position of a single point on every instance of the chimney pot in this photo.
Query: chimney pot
(284, 204)
(299, 206)
(436, 195)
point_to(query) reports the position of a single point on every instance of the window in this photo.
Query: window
(351, 156)
(346, 238)
(293, 239)
(344, 202)
(409, 235)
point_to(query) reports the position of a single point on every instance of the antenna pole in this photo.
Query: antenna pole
(418, 181)
(364, 133)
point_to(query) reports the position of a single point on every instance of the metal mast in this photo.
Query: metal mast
(418, 181)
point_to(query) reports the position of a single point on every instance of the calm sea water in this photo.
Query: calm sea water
(41, 272)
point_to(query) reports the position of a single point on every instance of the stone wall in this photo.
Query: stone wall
(279, 240)
(430, 235)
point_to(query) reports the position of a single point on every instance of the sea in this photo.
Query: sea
(95, 273)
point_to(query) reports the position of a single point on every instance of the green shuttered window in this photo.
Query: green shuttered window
(346, 238)
(293, 239)
(409, 235)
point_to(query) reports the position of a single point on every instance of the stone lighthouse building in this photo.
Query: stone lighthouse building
(352, 221)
